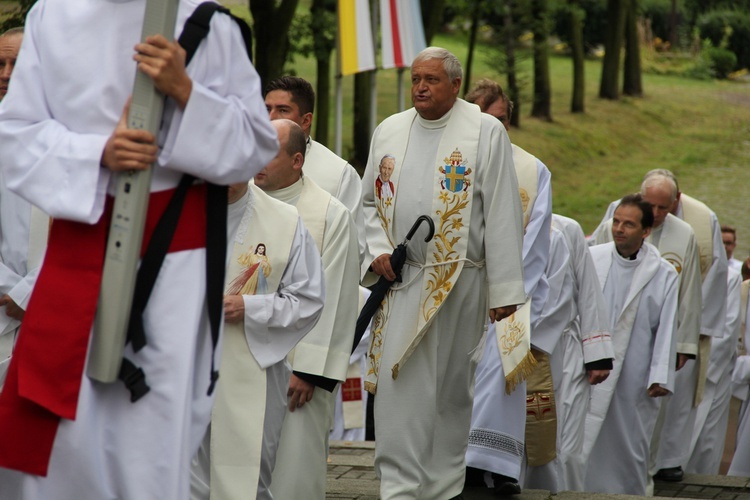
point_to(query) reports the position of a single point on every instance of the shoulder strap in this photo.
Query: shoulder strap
(199, 23)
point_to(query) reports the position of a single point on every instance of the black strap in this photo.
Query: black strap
(216, 250)
(195, 30)
(199, 23)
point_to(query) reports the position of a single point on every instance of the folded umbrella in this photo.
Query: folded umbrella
(378, 291)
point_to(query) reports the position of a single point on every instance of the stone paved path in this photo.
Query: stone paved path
(351, 477)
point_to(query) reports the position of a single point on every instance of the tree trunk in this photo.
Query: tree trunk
(324, 41)
(514, 92)
(472, 44)
(673, 26)
(271, 25)
(432, 17)
(608, 89)
(631, 79)
(323, 97)
(362, 132)
(542, 106)
(576, 46)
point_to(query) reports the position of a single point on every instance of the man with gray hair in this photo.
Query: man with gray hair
(661, 189)
(454, 164)
(23, 231)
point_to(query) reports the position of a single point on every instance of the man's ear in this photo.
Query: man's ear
(306, 124)
(297, 161)
(646, 232)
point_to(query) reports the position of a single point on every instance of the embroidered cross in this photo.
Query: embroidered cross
(540, 405)
(351, 390)
(454, 177)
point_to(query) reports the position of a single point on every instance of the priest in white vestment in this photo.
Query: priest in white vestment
(496, 438)
(661, 190)
(293, 98)
(23, 231)
(641, 288)
(320, 361)
(238, 453)
(453, 164)
(712, 415)
(63, 124)
(582, 357)
(740, 465)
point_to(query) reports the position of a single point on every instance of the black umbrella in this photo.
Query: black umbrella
(378, 291)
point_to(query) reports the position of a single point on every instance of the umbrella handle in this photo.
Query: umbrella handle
(416, 225)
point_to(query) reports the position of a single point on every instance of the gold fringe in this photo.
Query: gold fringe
(371, 388)
(394, 371)
(520, 372)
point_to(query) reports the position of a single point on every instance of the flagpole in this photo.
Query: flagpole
(400, 88)
(373, 73)
(339, 111)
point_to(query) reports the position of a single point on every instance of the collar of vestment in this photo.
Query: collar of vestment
(452, 184)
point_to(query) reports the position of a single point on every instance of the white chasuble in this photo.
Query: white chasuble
(452, 195)
(259, 257)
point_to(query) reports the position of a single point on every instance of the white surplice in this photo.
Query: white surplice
(498, 420)
(712, 415)
(585, 339)
(273, 324)
(740, 465)
(642, 294)
(420, 445)
(325, 351)
(72, 79)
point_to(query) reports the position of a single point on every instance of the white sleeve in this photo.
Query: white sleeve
(536, 246)
(275, 322)
(715, 287)
(665, 344)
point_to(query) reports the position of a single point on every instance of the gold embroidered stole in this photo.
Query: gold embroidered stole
(312, 207)
(541, 413)
(352, 401)
(452, 187)
(324, 167)
(673, 244)
(239, 409)
(698, 215)
(528, 180)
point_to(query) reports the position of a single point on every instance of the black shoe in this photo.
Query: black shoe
(671, 475)
(474, 478)
(505, 486)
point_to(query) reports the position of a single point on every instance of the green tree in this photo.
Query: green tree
(632, 83)
(432, 17)
(323, 23)
(17, 16)
(271, 22)
(577, 15)
(608, 88)
(542, 103)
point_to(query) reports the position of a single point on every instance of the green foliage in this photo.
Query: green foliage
(16, 16)
(729, 29)
(722, 61)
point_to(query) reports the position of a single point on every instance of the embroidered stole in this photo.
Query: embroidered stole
(239, 409)
(324, 167)
(312, 207)
(524, 362)
(601, 394)
(452, 188)
(698, 215)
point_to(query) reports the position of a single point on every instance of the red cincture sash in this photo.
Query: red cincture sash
(45, 372)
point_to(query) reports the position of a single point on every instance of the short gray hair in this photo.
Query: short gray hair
(659, 176)
(451, 64)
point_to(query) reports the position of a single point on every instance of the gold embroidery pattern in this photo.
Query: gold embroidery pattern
(513, 333)
(375, 352)
(673, 259)
(449, 222)
(383, 205)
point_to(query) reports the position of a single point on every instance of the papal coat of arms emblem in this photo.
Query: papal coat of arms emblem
(455, 172)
